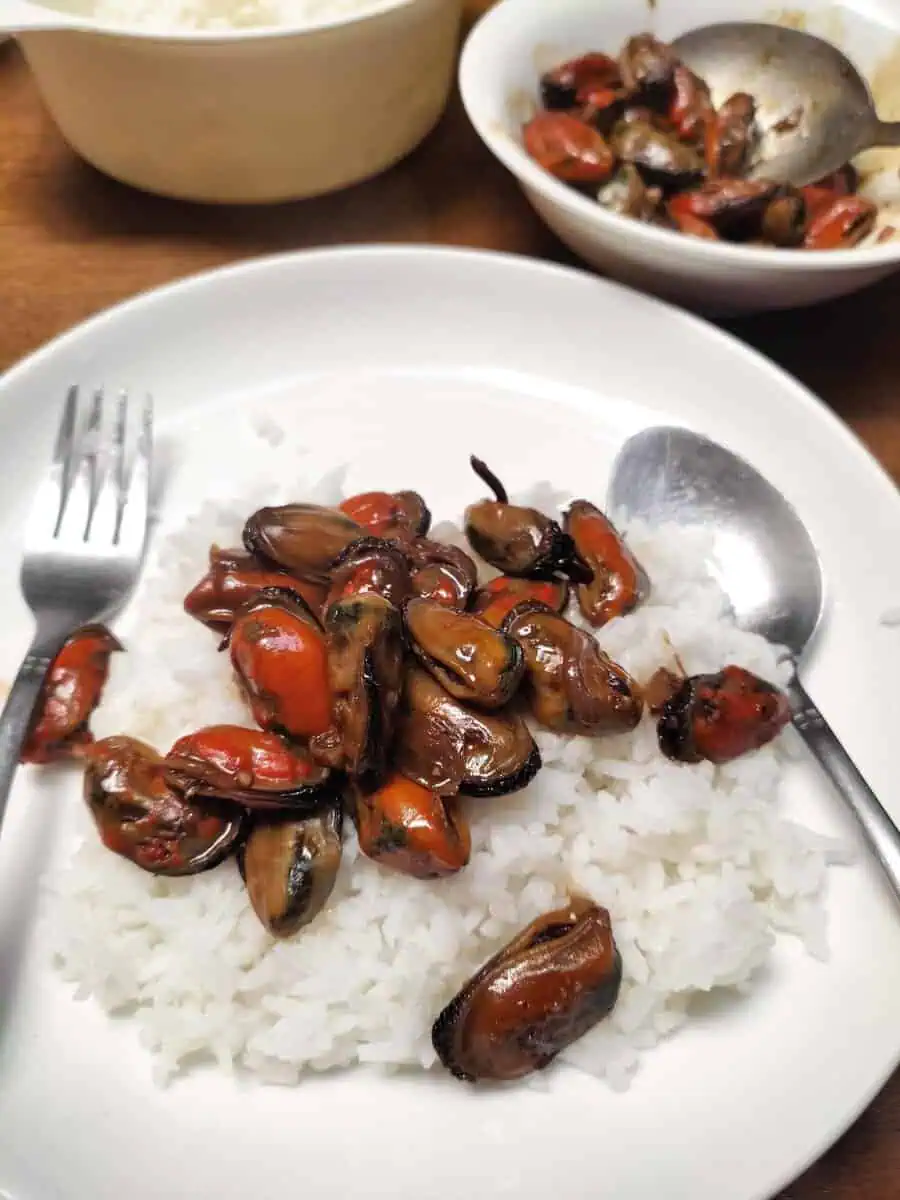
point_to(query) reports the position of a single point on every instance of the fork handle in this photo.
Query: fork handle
(880, 831)
(20, 704)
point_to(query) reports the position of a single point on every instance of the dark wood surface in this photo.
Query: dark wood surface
(73, 242)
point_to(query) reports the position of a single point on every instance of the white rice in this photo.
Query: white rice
(698, 865)
(167, 15)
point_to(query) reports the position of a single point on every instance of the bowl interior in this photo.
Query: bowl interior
(520, 39)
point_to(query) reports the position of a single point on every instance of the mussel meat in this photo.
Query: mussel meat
(496, 599)
(574, 687)
(389, 514)
(448, 747)
(722, 716)
(235, 577)
(572, 82)
(411, 829)
(440, 572)
(845, 222)
(139, 816)
(648, 67)
(280, 656)
(619, 583)
(690, 109)
(290, 866)
(365, 673)
(371, 566)
(734, 207)
(516, 539)
(659, 156)
(70, 693)
(731, 137)
(552, 983)
(259, 770)
(784, 219)
(568, 148)
(305, 539)
(473, 661)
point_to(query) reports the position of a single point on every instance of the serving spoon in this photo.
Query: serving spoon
(814, 109)
(767, 566)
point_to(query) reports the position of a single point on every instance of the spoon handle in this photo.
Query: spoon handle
(886, 133)
(880, 831)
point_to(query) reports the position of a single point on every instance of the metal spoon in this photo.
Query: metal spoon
(814, 109)
(766, 565)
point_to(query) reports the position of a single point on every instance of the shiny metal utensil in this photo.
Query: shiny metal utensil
(84, 543)
(815, 110)
(766, 565)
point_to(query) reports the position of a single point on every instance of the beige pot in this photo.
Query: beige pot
(251, 117)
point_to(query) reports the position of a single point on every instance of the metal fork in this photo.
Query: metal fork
(84, 543)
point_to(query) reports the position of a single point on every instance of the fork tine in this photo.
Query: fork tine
(110, 473)
(134, 498)
(60, 473)
(81, 468)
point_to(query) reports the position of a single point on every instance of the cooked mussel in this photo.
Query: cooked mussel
(659, 156)
(139, 816)
(735, 208)
(69, 694)
(514, 538)
(259, 770)
(719, 717)
(473, 661)
(574, 81)
(573, 686)
(690, 108)
(568, 147)
(234, 578)
(441, 572)
(365, 672)
(305, 539)
(389, 514)
(448, 747)
(648, 67)
(551, 984)
(280, 657)
(411, 829)
(619, 583)
(731, 137)
(371, 566)
(495, 600)
(290, 866)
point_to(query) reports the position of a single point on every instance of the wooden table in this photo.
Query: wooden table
(73, 242)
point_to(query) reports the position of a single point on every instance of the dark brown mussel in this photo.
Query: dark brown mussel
(543, 991)
(495, 600)
(389, 514)
(648, 67)
(290, 865)
(440, 572)
(233, 578)
(473, 661)
(619, 582)
(305, 539)
(719, 717)
(411, 829)
(659, 156)
(784, 219)
(280, 657)
(448, 747)
(139, 816)
(733, 207)
(365, 671)
(574, 687)
(514, 538)
(572, 82)
(371, 566)
(259, 770)
(731, 137)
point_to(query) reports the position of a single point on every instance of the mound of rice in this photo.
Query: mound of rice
(697, 865)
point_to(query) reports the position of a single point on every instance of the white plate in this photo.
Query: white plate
(428, 354)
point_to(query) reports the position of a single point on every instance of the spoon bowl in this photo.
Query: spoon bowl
(768, 568)
(765, 560)
(814, 109)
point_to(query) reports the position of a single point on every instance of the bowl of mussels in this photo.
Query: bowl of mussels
(646, 172)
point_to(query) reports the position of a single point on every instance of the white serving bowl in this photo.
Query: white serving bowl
(518, 39)
(249, 115)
